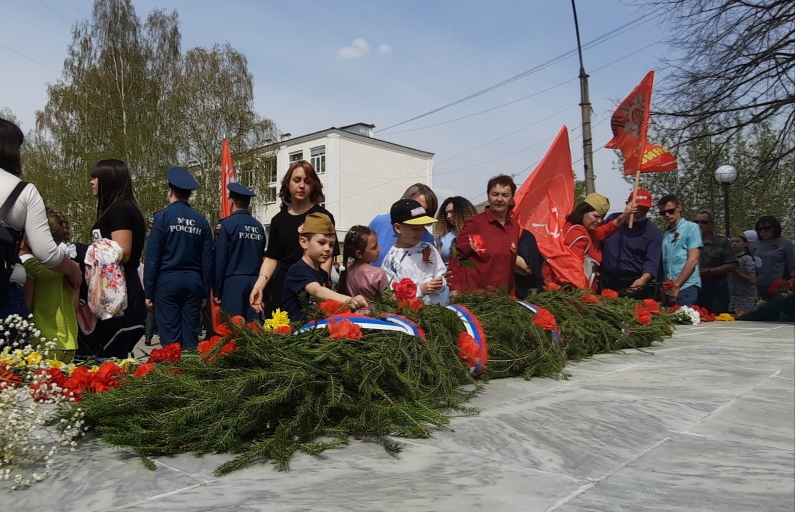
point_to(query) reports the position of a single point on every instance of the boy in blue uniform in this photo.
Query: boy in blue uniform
(238, 255)
(178, 264)
(317, 238)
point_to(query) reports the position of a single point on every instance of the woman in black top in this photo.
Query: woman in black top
(119, 218)
(303, 190)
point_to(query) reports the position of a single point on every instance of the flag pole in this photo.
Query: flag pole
(637, 185)
(634, 196)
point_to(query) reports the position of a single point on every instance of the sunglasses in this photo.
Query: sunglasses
(669, 211)
(702, 222)
(764, 228)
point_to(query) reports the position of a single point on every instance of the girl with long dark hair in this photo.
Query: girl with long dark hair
(119, 218)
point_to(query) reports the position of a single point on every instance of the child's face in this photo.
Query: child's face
(318, 247)
(738, 244)
(371, 250)
(409, 235)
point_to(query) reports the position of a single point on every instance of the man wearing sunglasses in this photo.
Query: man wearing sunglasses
(716, 262)
(681, 249)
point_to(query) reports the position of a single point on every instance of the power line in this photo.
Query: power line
(525, 97)
(56, 12)
(604, 37)
(79, 9)
(29, 58)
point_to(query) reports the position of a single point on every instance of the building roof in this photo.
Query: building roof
(347, 133)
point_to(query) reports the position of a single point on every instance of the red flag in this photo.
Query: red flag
(630, 125)
(227, 177)
(656, 159)
(541, 206)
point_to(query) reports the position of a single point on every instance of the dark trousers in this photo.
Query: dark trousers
(621, 282)
(714, 295)
(178, 308)
(151, 324)
(236, 292)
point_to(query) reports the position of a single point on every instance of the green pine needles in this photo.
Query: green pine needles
(278, 394)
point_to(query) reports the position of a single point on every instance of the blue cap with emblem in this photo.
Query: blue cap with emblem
(180, 178)
(239, 190)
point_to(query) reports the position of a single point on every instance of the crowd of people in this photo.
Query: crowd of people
(439, 251)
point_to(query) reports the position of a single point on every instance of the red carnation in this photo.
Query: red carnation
(468, 349)
(344, 329)
(109, 375)
(45, 380)
(545, 320)
(674, 308)
(171, 353)
(477, 244)
(779, 286)
(668, 285)
(609, 294)
(413, 303)
(551, 287)
(79, 380)
(8, 379)
(405, 289)
(145, 368)
(255, 327)
(642, 315)
(283, 329)
(590, 299)
(652, 305)
(332, 307)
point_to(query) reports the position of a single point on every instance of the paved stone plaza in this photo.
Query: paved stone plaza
(704, 421)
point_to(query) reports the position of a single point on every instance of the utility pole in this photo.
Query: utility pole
(585, 107)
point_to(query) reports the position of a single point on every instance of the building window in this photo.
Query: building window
(270, 195)
(319, 159)
(296, 157)
(270, 171)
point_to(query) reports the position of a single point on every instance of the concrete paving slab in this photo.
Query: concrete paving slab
(704, 421)
(691, 473)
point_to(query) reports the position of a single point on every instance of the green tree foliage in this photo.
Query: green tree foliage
(765, 184)
(216, 93)
(127, 92)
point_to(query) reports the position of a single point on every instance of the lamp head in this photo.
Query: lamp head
(725, 174)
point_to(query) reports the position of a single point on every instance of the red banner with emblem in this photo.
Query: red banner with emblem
(541, 206)
(630, 125)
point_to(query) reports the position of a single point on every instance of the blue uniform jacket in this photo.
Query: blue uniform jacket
(181, 241)
(238, 249)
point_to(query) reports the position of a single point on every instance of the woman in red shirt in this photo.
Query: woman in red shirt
(489, 241)
(583, 231)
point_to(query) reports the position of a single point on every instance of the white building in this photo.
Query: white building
(362, 176)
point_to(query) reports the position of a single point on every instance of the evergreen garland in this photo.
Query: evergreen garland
(277, 394)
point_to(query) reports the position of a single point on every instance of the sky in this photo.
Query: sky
(322, 64)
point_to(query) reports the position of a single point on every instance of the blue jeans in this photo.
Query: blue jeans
(687, 296)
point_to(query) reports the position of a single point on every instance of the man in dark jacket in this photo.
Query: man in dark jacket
(631, 258)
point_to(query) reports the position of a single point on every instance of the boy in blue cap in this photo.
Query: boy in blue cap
(178, 264)
(238, 255)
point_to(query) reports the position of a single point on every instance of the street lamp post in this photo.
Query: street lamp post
(726, 175)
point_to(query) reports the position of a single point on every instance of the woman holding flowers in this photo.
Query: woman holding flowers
(484, 254)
